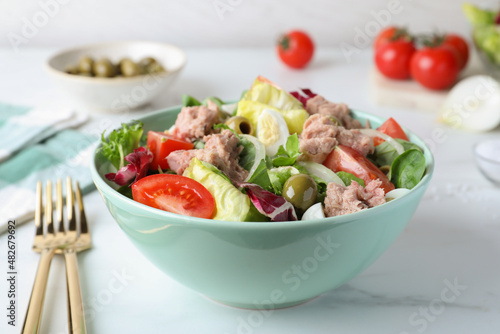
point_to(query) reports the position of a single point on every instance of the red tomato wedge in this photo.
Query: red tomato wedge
(392, 129)
(161, 144)
(174, 193)
(344, 158)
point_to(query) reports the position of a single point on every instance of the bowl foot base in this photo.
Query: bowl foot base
(262, 306)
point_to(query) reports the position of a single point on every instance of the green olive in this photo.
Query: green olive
(129, 68)
(301, 191)
(104, 68)
(123, 60)
(118, 70)
(240, 124)
(147, 61)
(72, 70)
(154, 68)
(85, 65)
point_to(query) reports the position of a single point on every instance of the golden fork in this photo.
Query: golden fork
(46, 244)
(79, 237)
(66, 242)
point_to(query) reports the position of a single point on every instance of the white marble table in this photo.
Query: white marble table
(442, 275)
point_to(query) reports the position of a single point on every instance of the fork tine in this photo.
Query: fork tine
(49, 221)
(83, 219)
(38, 209)
(59, 206)
(70, 205)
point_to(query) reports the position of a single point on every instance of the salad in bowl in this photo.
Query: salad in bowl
(266, 202)
(272, 156)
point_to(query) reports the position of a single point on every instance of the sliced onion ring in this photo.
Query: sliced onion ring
(324, 173)
(260, 153)
(229, 108)
(374, 133)
(396, 193)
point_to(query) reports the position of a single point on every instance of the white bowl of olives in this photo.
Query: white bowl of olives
(116, 77)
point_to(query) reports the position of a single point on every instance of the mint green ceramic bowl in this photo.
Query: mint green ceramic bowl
(259, 265)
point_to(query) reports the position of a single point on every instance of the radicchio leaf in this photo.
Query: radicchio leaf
(139, 162)
(277, 208)
(304, 96)
(124, 176)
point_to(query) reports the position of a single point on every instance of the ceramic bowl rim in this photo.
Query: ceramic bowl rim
(482, 157)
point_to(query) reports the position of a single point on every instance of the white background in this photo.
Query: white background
(195, 23)
(453, 235)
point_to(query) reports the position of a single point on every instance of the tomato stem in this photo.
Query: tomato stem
(402, 33)
(430, 40)
(284, 42)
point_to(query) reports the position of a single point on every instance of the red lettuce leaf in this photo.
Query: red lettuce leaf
(304, 96)
(277, 208)
(139, 162)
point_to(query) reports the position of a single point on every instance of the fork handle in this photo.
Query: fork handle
(34, 313)
(76, 316)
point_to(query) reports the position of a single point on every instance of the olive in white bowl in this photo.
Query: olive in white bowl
(93, 75)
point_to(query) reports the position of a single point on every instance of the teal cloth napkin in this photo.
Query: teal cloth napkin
(37, 148)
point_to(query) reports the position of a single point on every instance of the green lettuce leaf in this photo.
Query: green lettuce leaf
(189, 101)
(385, 153)
(224, 126)
(247, 155)
(121, 142)
(407, 169)
(287, 156)
(214, 99)
(347, 178)
(261, 177)
(278, 177)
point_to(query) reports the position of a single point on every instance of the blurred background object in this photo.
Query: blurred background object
(218, 23)
(123, 92)
(485, 35)
(487, 154)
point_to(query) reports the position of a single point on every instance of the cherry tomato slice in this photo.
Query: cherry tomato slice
(392, 129)
(174, 193)
(344, 158)
(161, 144)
